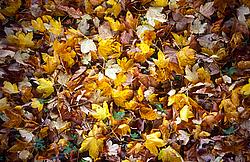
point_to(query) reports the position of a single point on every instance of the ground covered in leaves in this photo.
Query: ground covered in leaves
(125, 80)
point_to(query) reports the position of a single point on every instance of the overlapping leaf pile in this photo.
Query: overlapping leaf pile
(125, 80)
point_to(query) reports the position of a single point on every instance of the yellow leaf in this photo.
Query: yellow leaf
(120, 97)
(131, 105)
(21, 40)
(161, 62)
(38, 24)
(186, 56)
(36, 104)
(115, 9)
(121, 78)
(229, 109)
(4, 104)
(204, 75)
(109, 48)
(55, 27)
(11, 9)
(153, 141)
(185, 113)
(140, 95)
(178, 100)
(123, 129)
(159, 3)
(245, 90)
(145, 53)
(46, 18)
(170, 155)
(101, 113)
(180, 40)
(51, 62)
(10, 88)
(148, 113)
(93, 144)
(125, 64)
(145, 48)
(235, 96)
(115, 25)
(65, 51)
(45, 87)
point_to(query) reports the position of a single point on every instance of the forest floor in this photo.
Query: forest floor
(125, 80)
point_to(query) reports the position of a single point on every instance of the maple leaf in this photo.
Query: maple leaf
(123, 129)
(51, 62)
(178, 100)
(64, 50)
(14, 119)
(10, 88)
(36, 104)
(140, 95)
(245, 90)
(101, 113)
(153, 141)
(180, 40)
(87, 45)
(154, 15)
(125, 64)
(229, 109)
(145, 53)
(109, 48)
(169, 155)
(38, 24)
(186, 56)
(93, 144)
(161, 62)
(186, 113)
(4, 104)
(115, 25)
(45, 87)
(55, 27)
(12, 7)
(159, 3)
(148, 113)
(120, 97)
(21, 40)
(115, 9)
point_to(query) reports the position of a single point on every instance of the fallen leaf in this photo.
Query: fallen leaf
(186, 113)
(153, 142)
(45, 87)
(87, 45)
(169, 155)
(186, 56)
(10, 88)
(101, 113)
(36, 104)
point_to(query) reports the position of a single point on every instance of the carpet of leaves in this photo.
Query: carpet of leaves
(125, 80)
